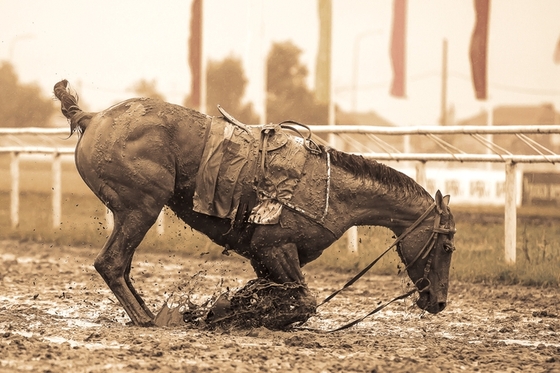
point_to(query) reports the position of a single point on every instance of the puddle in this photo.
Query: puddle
(88, 345)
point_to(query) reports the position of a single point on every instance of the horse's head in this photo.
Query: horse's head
(426, 252)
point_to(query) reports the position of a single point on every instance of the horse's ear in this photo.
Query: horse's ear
(441, 201)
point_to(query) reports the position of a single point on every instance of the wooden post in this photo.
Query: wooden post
(510, 213)
(14, 195)
(56, 191)
(444, 119)
(203, 69)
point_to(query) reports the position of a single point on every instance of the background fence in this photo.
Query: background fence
(486, 185)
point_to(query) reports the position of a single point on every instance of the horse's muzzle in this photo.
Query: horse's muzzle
(426, 302)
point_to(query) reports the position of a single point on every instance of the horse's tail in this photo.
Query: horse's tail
(77, 118)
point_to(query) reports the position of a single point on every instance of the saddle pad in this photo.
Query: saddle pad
(225, 154)
(229, 166)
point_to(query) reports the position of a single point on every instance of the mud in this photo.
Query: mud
(57, 315)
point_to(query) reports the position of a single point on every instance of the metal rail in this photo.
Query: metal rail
(363, 129)
(34, 131)
(37, 150)
(486, 158)
(437, 130)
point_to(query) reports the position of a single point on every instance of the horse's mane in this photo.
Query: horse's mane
(370, 169)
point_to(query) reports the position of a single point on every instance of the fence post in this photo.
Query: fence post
(421, 173)
(14, 195)
(56, 190)
(510, 213)
(352, 239)
(160, 229)
(109, 219)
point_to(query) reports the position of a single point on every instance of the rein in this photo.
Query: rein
(423, 253)
(395, 243)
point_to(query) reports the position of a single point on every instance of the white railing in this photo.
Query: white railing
(509, 160)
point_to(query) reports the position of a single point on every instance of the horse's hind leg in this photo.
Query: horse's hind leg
(114, 261)
(133, 290)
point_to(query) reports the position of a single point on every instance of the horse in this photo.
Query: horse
(143, 154)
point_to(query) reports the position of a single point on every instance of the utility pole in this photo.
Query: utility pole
(443, 117)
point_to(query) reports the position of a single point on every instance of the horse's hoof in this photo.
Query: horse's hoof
(263, 303)
(220, 309)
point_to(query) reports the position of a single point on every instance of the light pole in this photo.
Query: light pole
(352, 233)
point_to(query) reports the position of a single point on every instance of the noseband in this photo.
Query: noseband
(426, 250)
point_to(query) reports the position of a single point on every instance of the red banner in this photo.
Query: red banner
(398, 48)
(479, 48)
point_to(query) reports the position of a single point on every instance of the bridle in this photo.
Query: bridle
(427, 250)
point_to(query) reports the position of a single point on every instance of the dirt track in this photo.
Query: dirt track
(56, 315)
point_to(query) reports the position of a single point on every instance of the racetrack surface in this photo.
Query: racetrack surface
(57, 315)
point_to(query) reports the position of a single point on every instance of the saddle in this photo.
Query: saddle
(250, 168)
(274, 137)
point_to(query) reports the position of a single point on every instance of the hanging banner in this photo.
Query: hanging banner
(398, 48)
(479, 48)
(557, 53)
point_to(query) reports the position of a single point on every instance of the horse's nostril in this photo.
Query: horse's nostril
(442, 306)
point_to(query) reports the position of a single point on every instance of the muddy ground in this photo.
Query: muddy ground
(57, 315)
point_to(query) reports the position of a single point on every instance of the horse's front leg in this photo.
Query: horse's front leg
(278, 298)
(292, 303)
(277, 263)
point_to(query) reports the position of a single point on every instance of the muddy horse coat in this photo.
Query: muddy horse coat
(143, 154)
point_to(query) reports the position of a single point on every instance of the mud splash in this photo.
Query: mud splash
(260, 303)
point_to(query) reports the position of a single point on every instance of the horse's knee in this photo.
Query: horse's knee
(278, 263)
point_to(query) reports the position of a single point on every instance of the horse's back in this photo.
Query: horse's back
(137, 117)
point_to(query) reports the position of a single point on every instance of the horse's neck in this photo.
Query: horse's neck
(369, 202)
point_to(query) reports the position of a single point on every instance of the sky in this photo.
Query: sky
(104, 47)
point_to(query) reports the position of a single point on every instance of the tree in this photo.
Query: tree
(22, 105)
(144, 88)
(288, 95)
(225, 85)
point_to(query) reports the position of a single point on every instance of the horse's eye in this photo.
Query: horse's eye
(449, 247)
